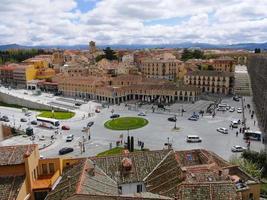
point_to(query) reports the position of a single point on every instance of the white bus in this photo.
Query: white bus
(48, 122)
(252, 135)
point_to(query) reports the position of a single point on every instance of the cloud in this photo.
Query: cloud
(65, 22)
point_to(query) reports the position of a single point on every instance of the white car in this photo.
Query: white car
(238, 148)
(232, 109)
(141, 114)
(69, 138)
(221, 109)
(42, 138)
(193, 138)
(239, 110)
(222, 130)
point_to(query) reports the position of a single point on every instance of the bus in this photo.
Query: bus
(48, 122)
(252, 135)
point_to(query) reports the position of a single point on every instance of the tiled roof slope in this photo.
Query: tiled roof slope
(68, 183)
(83, 178)
(10, 187)
(142, 164)
(165, 177)
(12, 155)
(139, 196)
(214, 191)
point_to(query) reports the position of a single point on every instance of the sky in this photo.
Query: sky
(70, 22)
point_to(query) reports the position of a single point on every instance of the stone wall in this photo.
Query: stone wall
(10, 99)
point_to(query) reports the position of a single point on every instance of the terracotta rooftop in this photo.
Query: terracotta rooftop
(10, 186)
(13, 155)
(83, 178)
(142, 164)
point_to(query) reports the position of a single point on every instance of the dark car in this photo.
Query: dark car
(23, 120)
(114, 116)
(172, 119)
(97, 110)
(78, 104)
(65, 150)
(89, 124)
(4, 118)
(236, 98)
(34, 122)
(66, 128)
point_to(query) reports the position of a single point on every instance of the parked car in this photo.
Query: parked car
(239, 110)
(42, 138)
(114, 116)
(65, 150)
(34, 122)
(221, 109)
(193, 138)
(222, 130)
(66, 128)
(172, 119)
(235, 123)
(28, 114)
(237, 148)
(69, 138)
(141, 114)
(97, 110)
(89, 124)
(78, 104)
(4, 118)
(23, 120)
(232, 109)
(193, 118)
(236, 98)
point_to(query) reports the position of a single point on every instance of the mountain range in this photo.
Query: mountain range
(246, 46)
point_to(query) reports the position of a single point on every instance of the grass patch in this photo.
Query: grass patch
(126, 123)
(57, 115)
(264, 188)
(114, 151)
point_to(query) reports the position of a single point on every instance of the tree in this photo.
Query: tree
(189, 54)
(247, 166)
(257, 50)
(110, 54)
(210, 67)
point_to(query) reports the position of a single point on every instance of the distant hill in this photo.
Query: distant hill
(247, 46)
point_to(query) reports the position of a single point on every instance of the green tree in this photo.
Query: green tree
(257, 50)
(110, 54)
(247, 166)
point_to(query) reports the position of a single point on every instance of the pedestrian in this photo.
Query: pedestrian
(240, 130)
(236, 134)
(254, 122)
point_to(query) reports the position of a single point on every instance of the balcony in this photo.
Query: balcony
(45, 181)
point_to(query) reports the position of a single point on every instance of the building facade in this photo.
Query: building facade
(210, 81)
(161, 69)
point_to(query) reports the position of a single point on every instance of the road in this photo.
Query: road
(154, 135)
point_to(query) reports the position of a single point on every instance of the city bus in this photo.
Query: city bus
(252, 135)
(48, 122)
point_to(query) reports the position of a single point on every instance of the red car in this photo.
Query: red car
(66, 128)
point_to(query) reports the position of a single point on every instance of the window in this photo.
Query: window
(251, 196)
(139, 188)
(44, 168)
(51, 168)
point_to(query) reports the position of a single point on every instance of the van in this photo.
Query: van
(234, 124)
(193, 138)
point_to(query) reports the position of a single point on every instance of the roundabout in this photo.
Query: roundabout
(126, 123)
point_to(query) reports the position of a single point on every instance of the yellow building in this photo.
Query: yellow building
(23, 175)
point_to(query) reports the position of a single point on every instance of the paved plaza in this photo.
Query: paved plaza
(154, 135)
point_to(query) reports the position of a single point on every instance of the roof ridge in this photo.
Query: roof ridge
(82, 175)
(144, 179)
